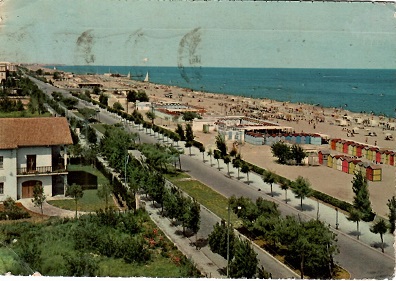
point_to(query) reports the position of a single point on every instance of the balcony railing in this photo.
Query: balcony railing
(42, 170)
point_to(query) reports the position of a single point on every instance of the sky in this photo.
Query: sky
(200, 33)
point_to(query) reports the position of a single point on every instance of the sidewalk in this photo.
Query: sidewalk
(48, 209)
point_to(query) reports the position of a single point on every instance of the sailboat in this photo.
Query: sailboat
(146, 79)
(129, 75)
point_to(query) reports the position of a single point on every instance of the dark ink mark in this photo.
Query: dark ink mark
(187, 52)
(84, 46)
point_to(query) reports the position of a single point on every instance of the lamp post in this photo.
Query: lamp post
(228, 238)
(336, 218)
(126, 162)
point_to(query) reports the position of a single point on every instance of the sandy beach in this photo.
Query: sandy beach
(301, 117)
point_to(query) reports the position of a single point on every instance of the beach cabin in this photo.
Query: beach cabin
(352, 166)
(315, 139)
(339, 162)
(345, 146)
(345, 164)
(323, 156)
(371, 153)
(330, 159)
(339, 145)
(288, 138)
(390, 158)
(293, 138)
(358, 149)
(351, 145)
(333, 144)
(335, 159)
(374, 173)
(381, 156)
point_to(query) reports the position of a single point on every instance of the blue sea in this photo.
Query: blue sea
(356, 90)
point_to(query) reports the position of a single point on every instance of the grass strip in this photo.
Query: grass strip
(206, 196)
(99, 127)
(90, 202)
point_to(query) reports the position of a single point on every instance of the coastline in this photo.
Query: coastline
(324, 179)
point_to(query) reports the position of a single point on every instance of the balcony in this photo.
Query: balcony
(42, 170)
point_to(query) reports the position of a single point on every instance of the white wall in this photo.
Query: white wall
(43, 156)
(8, 174)
(46, 183)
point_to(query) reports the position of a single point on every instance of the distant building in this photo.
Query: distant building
(32, 151)
(5, 68)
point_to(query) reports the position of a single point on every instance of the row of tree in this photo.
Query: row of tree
(308, 246)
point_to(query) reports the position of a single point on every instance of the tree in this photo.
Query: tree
(380, 227)
(244, 264)
(301, 188)
(361, 200)
(269, 178)
(189, 133)
(202, 150)
(194, 218)
(103, 99)
(150, 115)
(188, 116)
(118, 106)
(355, 215)
(210, 154)
(218, 240)
(38, 196)
(281, 151)
(284, 185)
(217, 156)
(76, 192)
(96, 90)
(221, 145)
(392, 213)
(298, 153)
(179, 130)
(132, 96)
(246, 169)
(104, 192)
(236, 163)
(188, 145)
(227, 160)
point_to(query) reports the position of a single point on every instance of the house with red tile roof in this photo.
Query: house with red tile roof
(33, 151)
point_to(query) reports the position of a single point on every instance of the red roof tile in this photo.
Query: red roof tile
(41, 131)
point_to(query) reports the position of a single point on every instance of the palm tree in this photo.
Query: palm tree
(380, 227)
(269, 178)
(301, 188)
(355, 215)
(284, 185)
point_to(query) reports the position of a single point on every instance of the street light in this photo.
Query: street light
(336, 218)
(228, 238)
(126, 162)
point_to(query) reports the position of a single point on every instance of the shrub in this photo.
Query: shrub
(135, 250)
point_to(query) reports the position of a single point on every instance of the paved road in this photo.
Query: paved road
(360, 258)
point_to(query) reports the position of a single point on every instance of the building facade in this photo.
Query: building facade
(33, 152)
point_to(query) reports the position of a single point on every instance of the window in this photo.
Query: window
(1, 162)
(1, 188)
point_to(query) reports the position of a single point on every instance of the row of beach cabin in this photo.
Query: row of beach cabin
(371, 153)
(350, 165)
(267, 139)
